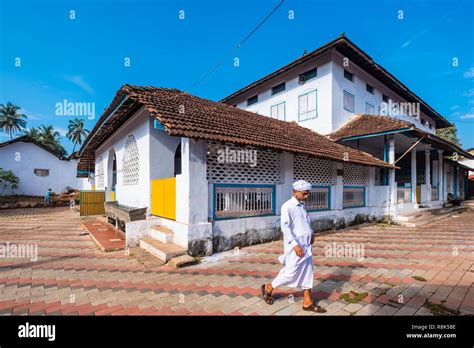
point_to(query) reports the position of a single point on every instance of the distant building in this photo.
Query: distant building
(39, 168)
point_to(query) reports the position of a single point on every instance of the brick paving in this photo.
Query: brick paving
(72, 276)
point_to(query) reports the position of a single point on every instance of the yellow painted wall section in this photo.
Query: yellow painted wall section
(163, 198)
(91, 203)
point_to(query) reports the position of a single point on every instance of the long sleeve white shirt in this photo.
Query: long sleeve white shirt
(295, 225)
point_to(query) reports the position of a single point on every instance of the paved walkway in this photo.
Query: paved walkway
(404, 272)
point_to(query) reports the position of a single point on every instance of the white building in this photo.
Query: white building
(39, 168)
(214, 176)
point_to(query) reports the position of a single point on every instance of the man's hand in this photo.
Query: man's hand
(299, 251)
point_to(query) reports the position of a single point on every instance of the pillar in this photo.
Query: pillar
(441, 176)
(428, 175)
(391, 174)
(413, 176)
(339, 189)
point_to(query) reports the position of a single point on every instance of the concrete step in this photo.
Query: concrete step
(432, 217)
(162, 234)
(161, 250)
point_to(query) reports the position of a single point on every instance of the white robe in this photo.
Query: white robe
(297, 272)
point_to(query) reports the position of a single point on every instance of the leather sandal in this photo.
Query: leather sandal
(267, 296)
(314, 308)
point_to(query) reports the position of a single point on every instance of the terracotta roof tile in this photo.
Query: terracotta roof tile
(186, 115)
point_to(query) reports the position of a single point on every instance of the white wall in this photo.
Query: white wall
(23, 158)
(358, 89)
(322, 83)
(330, 84)
(132, 195)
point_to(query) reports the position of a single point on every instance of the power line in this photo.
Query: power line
(239, 45)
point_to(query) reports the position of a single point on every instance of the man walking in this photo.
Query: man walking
(297, 260)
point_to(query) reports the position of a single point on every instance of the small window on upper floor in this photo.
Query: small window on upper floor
(308, 106)
(348, 75)
(369, 108)
(308, 75)
(278, 88)
(278, 111)
(348, 101)
(369, 88)
(385, 98)
(252, 100)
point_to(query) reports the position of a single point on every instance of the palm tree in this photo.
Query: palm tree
(33, 133)
(50, 138)
(10, 120)
(76, 132)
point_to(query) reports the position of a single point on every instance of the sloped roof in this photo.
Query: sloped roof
(189, 116)
(349, 49)
(363, 125)
(26, 139)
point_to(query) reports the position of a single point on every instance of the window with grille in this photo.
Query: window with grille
(131, 162)
(100, 173)
(369, 109)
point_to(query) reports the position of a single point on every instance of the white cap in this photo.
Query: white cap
(301, 185)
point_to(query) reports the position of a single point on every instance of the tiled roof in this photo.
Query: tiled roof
(369, 124)
(360, 125)
(26, 139)
(189, 116)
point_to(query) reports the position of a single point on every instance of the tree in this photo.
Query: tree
(10, 120)
(76, 132)
(33, 134)
(50, 138)
(8, 178)
(449, 134)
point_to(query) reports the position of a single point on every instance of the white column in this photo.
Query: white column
(391, 172)
(191, 185)
(339, 189)
(285, 189)
(441, 176)
(413, 176)
(428, 175)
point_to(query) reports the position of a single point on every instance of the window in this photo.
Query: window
(278, 111)
(278, 88)
(41, 172)
(307, 105)
(385, 98)
(348, 101)
(348, 75)
(369, 108)
(308, 75)
(252, 100)
(131, 163)
(369, 88)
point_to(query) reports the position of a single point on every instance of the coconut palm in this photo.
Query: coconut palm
(11, 121)
(50, 138)
(76, 132)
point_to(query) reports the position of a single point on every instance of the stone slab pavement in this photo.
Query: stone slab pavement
(49, 265)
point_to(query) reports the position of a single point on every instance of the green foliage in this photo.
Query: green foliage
(76, 132)
(10, 120)
(8, 179)
(449, 134)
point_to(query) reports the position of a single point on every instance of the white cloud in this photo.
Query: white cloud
(454, 107)
(469, 93)
(61, 131)
(471, 115)
(80, 82)
(416, 37)
(469, 73)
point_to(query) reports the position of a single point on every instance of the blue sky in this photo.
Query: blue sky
(82, 59)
